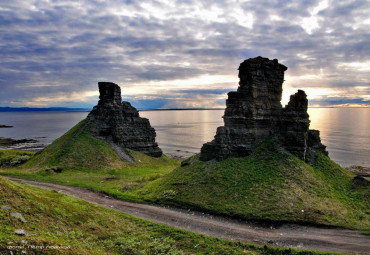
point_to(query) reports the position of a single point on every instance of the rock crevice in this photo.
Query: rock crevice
(254, 112)
(119, 122)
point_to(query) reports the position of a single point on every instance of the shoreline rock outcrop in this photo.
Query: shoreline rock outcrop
(254, 112)
(119, 123)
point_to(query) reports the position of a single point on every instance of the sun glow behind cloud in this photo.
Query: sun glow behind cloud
(311, 23)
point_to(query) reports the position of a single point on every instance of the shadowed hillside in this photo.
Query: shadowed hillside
(269, 184)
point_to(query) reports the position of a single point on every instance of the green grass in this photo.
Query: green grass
(78, 150)
(11, 158)
(89, 162)
(268, 185)
(54, 219)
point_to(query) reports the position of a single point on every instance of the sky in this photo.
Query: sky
(180, 54)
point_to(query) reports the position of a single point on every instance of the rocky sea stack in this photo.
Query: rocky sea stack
(119, 123)
(112, 136)
(254, 112)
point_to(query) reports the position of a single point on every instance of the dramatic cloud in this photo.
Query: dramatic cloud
(168, 54)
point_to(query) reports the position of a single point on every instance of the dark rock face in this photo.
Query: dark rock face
(314, 141)
(294, 124)
(254, 112)
(120, 124)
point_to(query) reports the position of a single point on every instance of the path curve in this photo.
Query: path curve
(286, 235)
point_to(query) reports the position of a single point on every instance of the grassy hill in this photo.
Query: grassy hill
(79, 150)
(60, 224)
(79, 159)
(270, 184)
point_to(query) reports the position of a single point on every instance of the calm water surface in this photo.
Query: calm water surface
(345, 131)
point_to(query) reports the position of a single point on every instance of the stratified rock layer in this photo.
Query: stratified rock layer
(254, 112)
(119, 123)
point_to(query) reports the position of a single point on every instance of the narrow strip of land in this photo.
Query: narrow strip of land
(285, 235)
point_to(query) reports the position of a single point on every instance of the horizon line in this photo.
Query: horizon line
(82, 109)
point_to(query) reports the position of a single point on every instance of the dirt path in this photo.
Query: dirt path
(286, 235)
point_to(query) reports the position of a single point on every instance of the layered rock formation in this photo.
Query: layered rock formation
(254, 112)
(119, 123)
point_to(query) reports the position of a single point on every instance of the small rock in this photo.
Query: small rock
(24, 241)
(270, 241)
(6, 207)
(302, 211)
(359, 181)
(185, 163)
(18, 216)
(20, 232)
(57, 169)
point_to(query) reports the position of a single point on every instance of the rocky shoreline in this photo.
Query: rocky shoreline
(21, 144)
(359, 170)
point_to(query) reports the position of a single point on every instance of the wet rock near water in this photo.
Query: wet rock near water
(7, 142)
(120, 125)
(254, 112)
(360, 170)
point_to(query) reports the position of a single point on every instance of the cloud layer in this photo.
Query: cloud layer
(167, 54)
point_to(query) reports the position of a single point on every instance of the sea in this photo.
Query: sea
(181, 133)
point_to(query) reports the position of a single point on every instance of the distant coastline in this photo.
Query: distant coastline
(46, 109)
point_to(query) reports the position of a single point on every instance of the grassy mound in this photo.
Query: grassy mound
(77, 149)
(270, 184)
(78, 159)
(59, 224)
